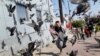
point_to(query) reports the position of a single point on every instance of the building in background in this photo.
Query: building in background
(42, 10)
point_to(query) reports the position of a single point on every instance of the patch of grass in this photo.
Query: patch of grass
(78, 23)
(98, 28)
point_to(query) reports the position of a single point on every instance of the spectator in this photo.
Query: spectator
(53, 33)
(86, 31)
(82, 33)
(69, 25)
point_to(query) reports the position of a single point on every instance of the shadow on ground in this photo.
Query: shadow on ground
(83, 43)
(97, 36)
(95, 50)
(48, 53)
(93, 46)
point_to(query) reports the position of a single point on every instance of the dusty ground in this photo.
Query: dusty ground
(89, 47)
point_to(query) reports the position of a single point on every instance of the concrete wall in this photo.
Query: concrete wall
(5, 21)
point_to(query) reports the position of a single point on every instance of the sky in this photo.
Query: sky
(94, 8)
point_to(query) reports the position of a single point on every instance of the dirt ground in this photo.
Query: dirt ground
(88, 47)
